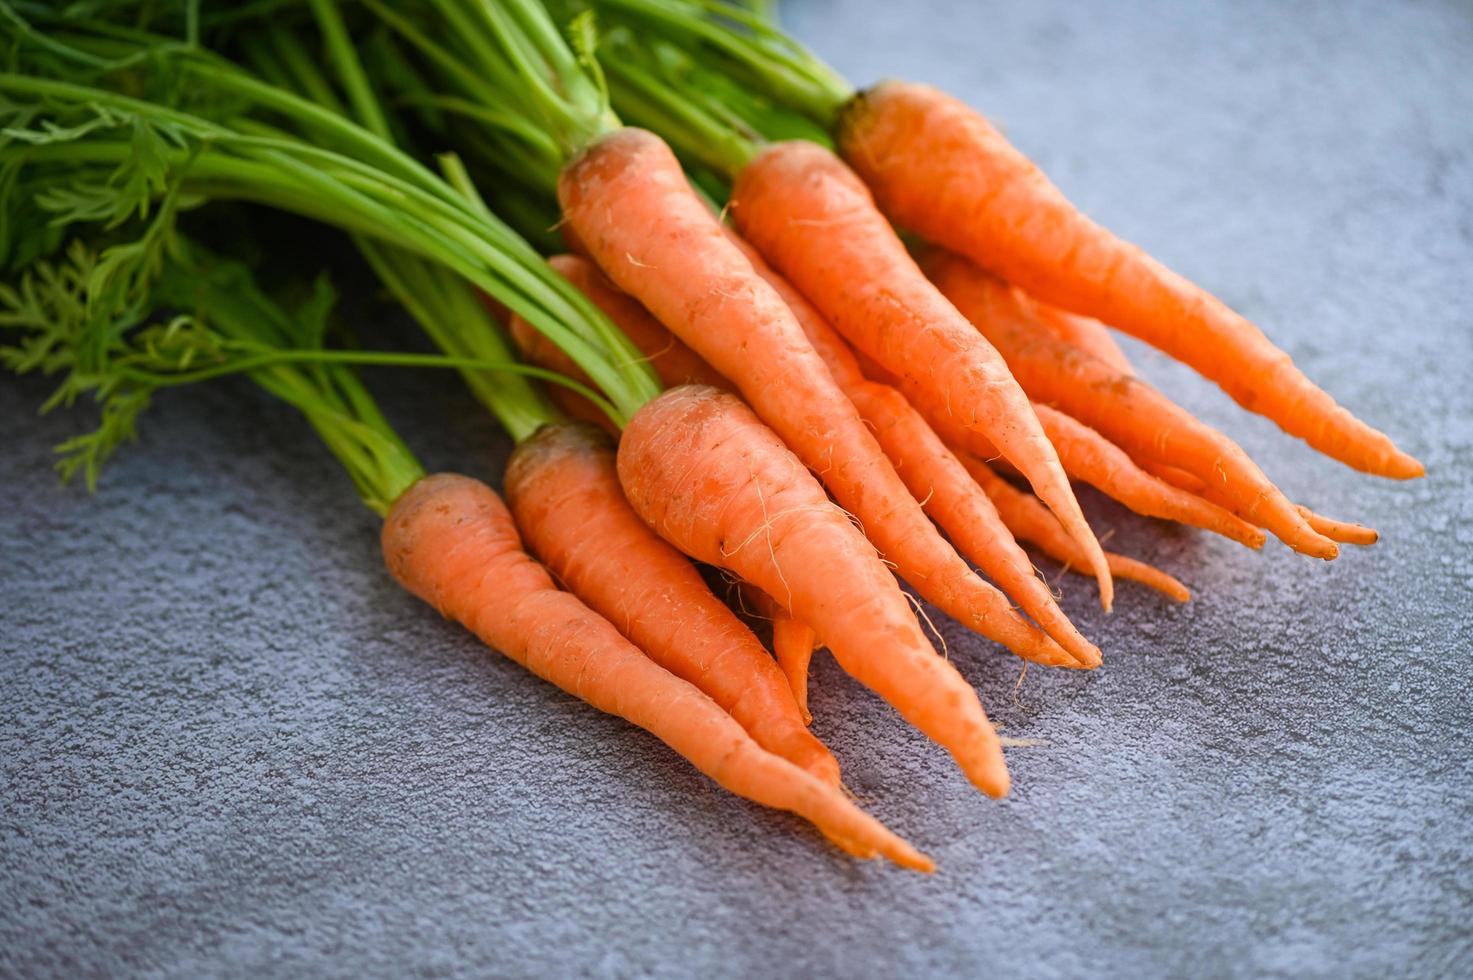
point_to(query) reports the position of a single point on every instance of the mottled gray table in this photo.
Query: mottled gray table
(230, 745)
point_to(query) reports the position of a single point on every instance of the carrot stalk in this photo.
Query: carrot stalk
(1122, 408)
(451, 541)
(563, 490)
(813, 219)
(701, 470)
(939, 168)
(1031, 521)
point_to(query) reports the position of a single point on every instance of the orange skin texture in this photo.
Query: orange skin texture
(673, 362)
(939, 168)
(812, 218)
(1125, 410)
(1343, 531)
(793, 643)
(954, 501)
(1031, 521)
(946, 493)
(711, 479)
(1082, 332)
(1090, 457)
(564, 493)
(451, 541)
(1174, 475)
(631, 209)
(1086, 455)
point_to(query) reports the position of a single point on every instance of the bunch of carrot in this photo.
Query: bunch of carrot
(797, 395)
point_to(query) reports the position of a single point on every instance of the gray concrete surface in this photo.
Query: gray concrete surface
(230, 746)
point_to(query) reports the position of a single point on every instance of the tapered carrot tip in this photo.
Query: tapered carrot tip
(1403, 466)
(1344, 532)
(890, 845)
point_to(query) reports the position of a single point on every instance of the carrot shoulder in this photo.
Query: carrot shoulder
(813, 219)
(634, 213)
(451, 541)
(939, 168)
(564, 492)
(701, 470)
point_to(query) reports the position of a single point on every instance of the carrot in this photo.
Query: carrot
(813, 219)
(1343, 531)
(946, 493)
(942, 170)
(1090, 457)
(564, 492)
(1085, 333)
(632, 210)
(451, 541)
(1174, 475)
(793, 643)
(701, 470)
(930, 474)
(536, 349)
(673, 361)
(953, 500)
(1031, 521)
(1120, 407)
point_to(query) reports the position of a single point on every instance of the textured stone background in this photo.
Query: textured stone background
(230, 745)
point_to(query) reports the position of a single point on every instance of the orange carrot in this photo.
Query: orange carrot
(629, 204)
(1343, 531)
(947, 494)
(1174, 475)
(813, 219)
(793, 643)
(954, 501)
(1085, 333)
(942, 170)
(1090, 457)
(451, 541)
(1122, 408)
(564, 492)
(1031, 521)
(537, 349)
(701, 470)
(674, 362)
